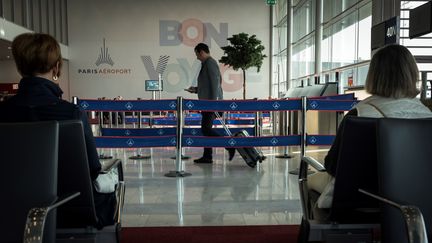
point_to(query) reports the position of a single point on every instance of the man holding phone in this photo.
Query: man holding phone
(209, 88)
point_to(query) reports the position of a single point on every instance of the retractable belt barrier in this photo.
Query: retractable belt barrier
(183, 137)
(127, 138)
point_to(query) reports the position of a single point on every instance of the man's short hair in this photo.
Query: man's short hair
(36, 53)
(202, 47)
(393, 73)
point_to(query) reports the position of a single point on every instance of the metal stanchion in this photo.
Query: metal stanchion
(284, 130)
(139, 156)
(182, 155)
(303, 141)
(179, 172)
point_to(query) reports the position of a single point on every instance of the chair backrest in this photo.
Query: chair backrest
(356, 168)
(405, 169)
(74, 176)
(29, 153)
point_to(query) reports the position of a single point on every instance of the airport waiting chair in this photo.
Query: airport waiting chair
(353, 216)
(29, 153)
(77, 221)
(404, 171)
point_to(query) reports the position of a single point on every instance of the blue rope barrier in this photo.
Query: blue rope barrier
(133, 132)
(135, 142)
(196, 141)
(330, 105)
(188, 122)
(320, 139)
(128, 105)
(241, 105)
(336, 103)
(239, 142)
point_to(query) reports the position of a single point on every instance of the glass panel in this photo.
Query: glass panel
(326, 49)
(281, 10)
(361, 75)
(303, 59)
(344, 41)
(303, 20)
(365, 24)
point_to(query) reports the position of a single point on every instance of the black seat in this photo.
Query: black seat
(29, 165)
(352, 215)
(78, 220)
(404, 167)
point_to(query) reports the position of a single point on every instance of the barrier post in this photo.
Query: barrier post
(139, 156)
(179, 172)
(303, 141)
(303, 131)
(284, 131)
(257, 125)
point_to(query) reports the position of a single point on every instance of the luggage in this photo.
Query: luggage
(250, 155)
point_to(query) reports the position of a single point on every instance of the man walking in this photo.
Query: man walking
(209, 88)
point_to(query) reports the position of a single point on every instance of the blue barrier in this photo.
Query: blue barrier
(336, 103)
(128, 105)
(132, 132)
(241, 105)
(200, 141)
(330, 105)
(135, 142)
(188, 122)
(159, 137)
(196, 141)
(320, 139)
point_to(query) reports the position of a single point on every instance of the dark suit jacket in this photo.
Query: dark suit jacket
(210, 80)
(39, 99)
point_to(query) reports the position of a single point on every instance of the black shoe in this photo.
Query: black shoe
(231, 153)
(203, 160)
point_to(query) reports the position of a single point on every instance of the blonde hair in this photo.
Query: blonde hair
(36, 53)
(393, 73)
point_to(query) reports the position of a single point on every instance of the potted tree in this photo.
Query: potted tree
(242, 53)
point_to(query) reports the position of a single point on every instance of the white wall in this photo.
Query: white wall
(139, 30)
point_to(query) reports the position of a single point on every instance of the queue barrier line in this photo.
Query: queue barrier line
(188, 122)
(202, 141)
(180, 105)
(219, 105)
(166, 131)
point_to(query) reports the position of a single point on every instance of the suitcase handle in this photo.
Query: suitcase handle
(223, 123)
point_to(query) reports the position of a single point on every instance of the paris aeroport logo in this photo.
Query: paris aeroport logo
(104, 64)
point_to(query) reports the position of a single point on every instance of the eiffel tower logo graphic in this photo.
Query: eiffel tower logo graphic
(104, 56)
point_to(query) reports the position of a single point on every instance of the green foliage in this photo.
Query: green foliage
(243, 52)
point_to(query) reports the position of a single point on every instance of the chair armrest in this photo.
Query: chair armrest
(413, 217)
(36, 218)
(314, 163)
(120, 195)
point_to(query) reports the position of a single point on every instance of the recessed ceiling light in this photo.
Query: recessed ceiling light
(2, 32)
(10, 47)
(7, 57)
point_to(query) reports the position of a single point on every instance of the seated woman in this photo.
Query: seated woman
(38, 60)
(391, 80)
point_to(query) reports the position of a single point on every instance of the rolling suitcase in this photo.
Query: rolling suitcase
(250, 155)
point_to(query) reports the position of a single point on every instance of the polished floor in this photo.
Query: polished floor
(222, 193)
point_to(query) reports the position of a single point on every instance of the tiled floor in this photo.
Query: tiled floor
(222, 193)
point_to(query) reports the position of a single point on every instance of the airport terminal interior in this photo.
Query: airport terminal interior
(128, 65)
